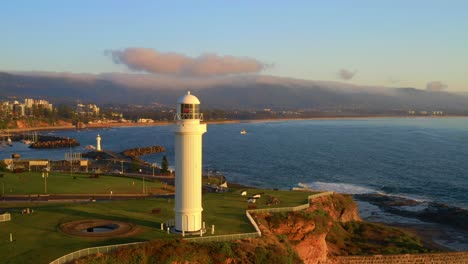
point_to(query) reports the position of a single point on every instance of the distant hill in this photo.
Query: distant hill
(226, 93)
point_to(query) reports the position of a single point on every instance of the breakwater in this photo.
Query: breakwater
(135, 153)
(57, 143)
(48, 142)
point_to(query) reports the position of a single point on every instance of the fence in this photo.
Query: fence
(5, 217)
(252, 221)
(105, 249)
(90, 251)
(221, 238)
(290, 209)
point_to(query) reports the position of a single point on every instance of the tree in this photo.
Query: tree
(3, 166)
(65, 111)
(164, 165)
(135, 166)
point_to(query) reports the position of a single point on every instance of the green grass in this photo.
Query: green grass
(38, 240)
(227, 210)
(63, 183)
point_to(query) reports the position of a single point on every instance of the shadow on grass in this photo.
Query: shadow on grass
(88, 215)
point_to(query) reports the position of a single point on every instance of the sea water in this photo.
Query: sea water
(424, 159)
(420, 158)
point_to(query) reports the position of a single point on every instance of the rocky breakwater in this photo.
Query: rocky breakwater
(135, 153)
(331, 226)
(49, 142)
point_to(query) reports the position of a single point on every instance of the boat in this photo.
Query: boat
(90, 147)
(9, 142)
(243, 132)
(27, 141)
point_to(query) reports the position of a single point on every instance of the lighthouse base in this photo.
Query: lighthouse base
(188, 233)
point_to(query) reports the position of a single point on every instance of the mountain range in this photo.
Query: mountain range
(233, 92)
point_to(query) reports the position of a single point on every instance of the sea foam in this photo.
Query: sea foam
(347, 188)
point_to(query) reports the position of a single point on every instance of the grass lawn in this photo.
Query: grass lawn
(38, 240)
(63, 183)
(227, 210)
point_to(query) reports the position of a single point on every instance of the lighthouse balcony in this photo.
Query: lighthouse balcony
(183, 116)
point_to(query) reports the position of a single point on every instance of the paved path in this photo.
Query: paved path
(77, 197)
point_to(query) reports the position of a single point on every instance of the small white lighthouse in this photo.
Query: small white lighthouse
(188, 165)
(98, 142)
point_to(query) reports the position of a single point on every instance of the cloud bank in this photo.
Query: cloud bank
(436, 86)
(209, 64)
(346, 74)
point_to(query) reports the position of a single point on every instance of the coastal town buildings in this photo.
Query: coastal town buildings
(27, 108)
(426, 113)
(145, 120)
(87, 109)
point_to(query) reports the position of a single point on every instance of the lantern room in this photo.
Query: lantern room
(188, 107)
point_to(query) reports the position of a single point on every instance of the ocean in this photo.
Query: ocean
(419, 159)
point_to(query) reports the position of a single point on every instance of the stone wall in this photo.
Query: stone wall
(432, 258)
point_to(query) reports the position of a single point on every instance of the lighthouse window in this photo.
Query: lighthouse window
(186, 108)
(189, 111)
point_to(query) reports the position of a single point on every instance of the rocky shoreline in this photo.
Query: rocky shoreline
(438, 224)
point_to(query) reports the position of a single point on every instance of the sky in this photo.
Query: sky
(411, 43)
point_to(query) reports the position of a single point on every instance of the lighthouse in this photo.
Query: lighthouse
(188, 165)
(98, 142)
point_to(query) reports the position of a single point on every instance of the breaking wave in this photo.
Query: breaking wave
(347, 188)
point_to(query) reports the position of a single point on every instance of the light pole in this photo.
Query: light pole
(71, 160)
(121, 162)
(45, 176)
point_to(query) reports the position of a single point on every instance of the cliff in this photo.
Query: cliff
(330, 227)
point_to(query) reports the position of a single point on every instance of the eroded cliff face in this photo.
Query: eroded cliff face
(340, 207)
(307, 230)
(302, 234)
(331, 226)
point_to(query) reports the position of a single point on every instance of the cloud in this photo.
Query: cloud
(436, 86)
(153, 61)
(346, 74)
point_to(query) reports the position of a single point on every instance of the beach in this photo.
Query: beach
(166, 123)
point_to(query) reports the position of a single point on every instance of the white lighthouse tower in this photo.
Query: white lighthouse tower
(98, 142)
(188, 165)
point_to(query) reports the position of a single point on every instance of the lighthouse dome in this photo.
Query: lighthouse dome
(188, 99)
